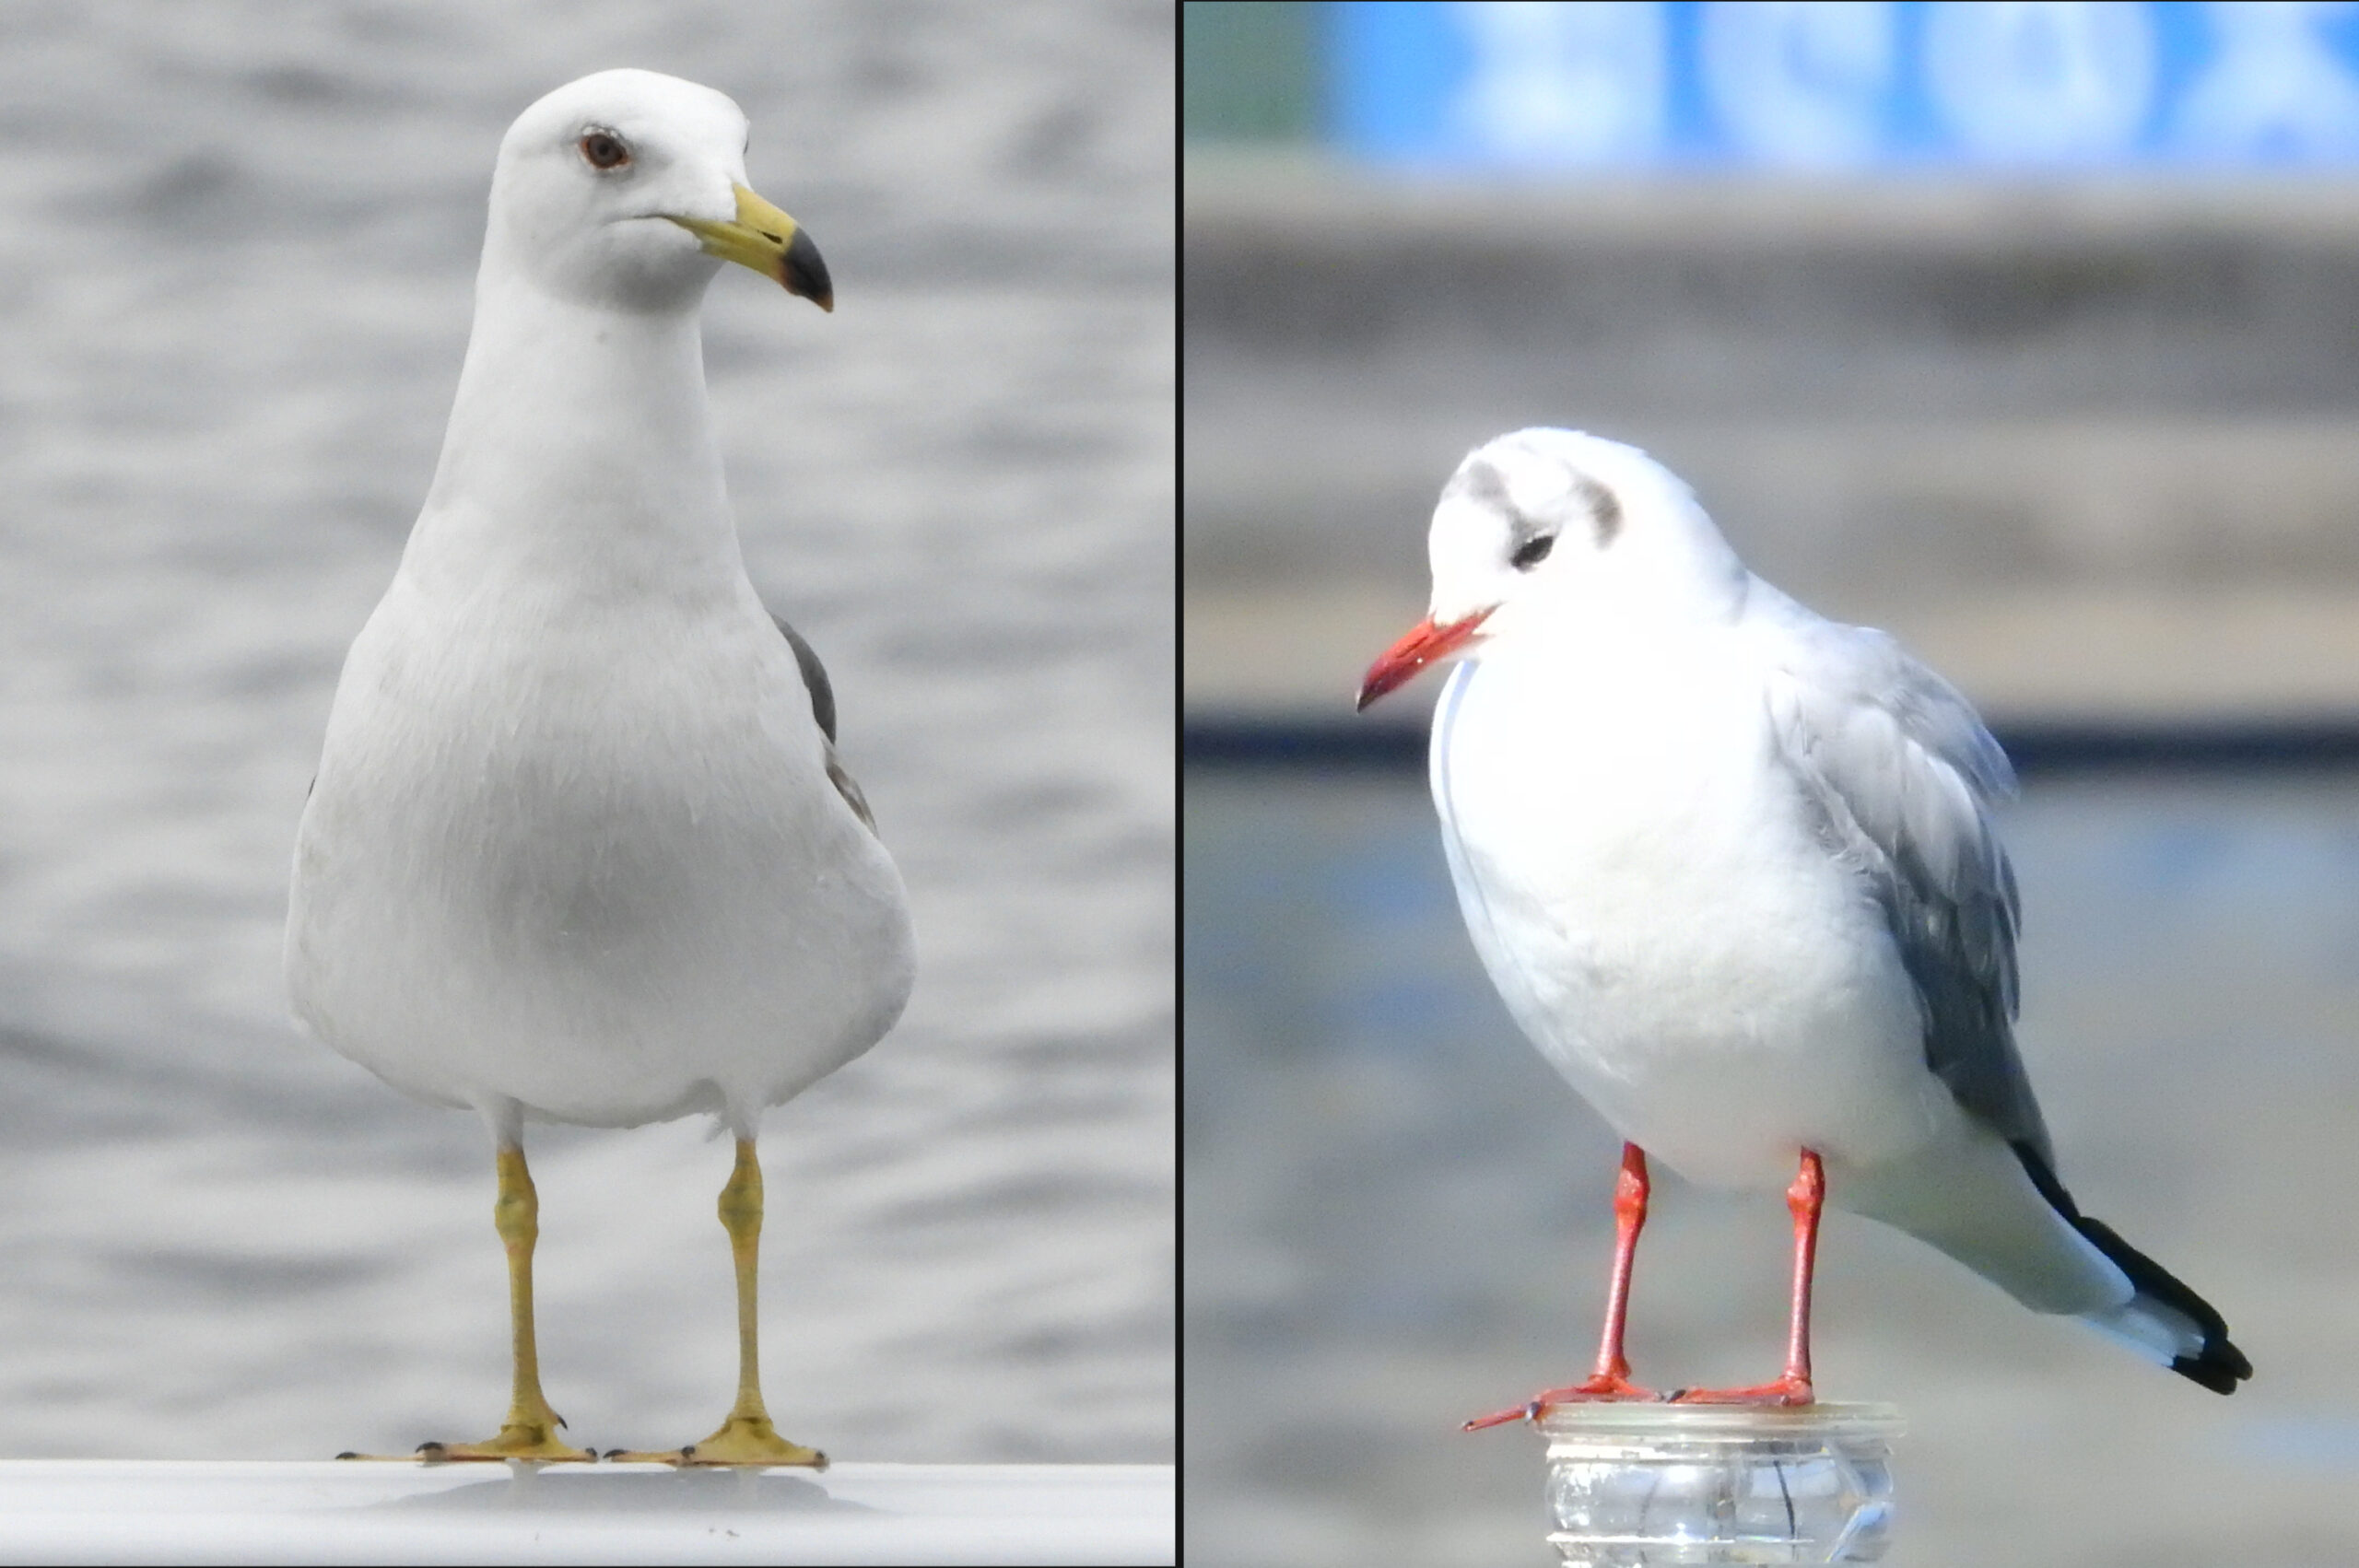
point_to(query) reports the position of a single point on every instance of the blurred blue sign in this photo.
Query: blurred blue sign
(1846, 83)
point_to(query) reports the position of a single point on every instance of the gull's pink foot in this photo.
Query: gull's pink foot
(1785, 1391)
(1598, 1389)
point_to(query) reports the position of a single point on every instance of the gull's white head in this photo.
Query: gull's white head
(622, 188)
(1544, 524)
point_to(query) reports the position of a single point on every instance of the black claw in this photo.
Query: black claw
(689, 1452)
(610, 1454)
(348, 1454)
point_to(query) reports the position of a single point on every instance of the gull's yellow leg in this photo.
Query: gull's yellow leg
(529, 1432)
(747, 1437)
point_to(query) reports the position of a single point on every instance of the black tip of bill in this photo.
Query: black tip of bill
(804, 273)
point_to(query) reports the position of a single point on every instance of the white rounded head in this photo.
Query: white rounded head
(622, 188)
(1545, 526)
(1557, 521)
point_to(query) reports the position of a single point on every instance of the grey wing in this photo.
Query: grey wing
(823, 708)
(1902, 776)
(814, 678)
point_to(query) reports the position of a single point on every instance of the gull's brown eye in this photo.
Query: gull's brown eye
(604, 149)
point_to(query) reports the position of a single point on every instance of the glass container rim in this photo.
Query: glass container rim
(1590, 1419)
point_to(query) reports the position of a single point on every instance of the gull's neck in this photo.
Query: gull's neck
(581, 451)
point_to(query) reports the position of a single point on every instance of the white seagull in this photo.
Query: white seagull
(1731, 866)
(579, 848)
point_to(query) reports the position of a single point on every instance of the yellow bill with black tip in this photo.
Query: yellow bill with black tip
(771, 243)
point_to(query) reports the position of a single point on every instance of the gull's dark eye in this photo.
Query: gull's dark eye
(603, 150)
(1532, 552)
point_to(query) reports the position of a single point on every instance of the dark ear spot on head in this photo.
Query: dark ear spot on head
(1479, 483)
(1604, 509)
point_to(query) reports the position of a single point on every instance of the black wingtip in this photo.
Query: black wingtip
(2220, 1368)
(2218, 1365)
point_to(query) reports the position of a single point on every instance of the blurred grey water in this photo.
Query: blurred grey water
(235, 269)
(1397, 1216)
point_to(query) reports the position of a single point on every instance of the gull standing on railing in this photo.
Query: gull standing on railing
(579, 848)
(1731, 866)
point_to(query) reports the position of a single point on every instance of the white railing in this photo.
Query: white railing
(254, 1511)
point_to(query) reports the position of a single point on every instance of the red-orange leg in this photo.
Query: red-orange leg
(1612, 1379)
(1805, 1198)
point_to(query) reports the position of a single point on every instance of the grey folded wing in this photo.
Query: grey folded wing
(823, 708)
(1903, 776)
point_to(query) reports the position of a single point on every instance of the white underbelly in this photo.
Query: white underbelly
(611, 907)
(1647, 890)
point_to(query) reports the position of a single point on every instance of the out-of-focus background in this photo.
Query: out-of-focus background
(236, 269)
(2029, 333)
